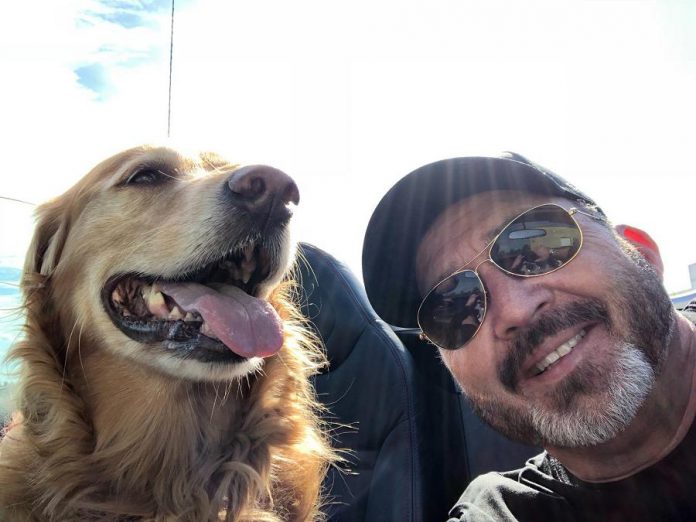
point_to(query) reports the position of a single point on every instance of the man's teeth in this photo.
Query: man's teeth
(560, 352)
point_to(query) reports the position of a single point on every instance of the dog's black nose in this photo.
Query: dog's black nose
(263, 189)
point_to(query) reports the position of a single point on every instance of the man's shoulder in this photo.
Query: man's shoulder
(690, 312)
(521, 494)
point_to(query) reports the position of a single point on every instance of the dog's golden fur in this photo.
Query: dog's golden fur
(108, 430)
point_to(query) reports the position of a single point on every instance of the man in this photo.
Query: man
(574, 344)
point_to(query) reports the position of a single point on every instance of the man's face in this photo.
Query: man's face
(607, 305)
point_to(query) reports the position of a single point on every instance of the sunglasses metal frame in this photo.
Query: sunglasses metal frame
(488, 248)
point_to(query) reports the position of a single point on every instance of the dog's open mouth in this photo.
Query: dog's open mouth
(211, 309)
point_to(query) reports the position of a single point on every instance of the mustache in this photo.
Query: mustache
(527, 340)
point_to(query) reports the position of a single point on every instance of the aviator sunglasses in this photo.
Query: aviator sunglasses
(537, 242)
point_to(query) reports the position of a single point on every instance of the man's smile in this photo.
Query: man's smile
(556, 357)
(560, 352)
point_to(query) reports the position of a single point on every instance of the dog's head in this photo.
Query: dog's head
(169, 260)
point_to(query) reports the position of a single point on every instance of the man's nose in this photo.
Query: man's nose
(514, 302)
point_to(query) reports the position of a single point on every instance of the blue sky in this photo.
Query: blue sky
(349, 96)
(124, 16)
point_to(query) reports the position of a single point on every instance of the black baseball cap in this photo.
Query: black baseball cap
(407, 211)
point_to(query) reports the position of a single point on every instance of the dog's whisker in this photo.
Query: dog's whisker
(228, 387)
(67, 354)
(212, 410)
(79, 354)
(189, 399)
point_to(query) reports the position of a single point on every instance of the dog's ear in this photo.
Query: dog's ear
(52, 227)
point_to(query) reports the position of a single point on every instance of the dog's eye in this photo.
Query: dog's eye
(146, 176)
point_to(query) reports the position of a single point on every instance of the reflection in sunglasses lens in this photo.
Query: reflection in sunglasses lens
(537, 242)
(452, 312)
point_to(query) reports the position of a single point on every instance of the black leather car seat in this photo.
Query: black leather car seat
(415, 441)
(369, 391)
(458, 446)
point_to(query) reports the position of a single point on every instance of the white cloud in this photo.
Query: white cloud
(55, 128)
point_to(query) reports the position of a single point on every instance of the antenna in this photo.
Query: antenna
(171, 59)
(17, 200)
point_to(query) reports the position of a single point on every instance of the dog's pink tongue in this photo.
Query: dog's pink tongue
(248, 326)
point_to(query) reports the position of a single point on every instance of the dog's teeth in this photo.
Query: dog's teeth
(248, 264)
(247, 268)
(176, 313)
(207, 331)
(145, 291)
(156, 304)
(116, 296)
(249, 253)
(191, 317)
(155, 299)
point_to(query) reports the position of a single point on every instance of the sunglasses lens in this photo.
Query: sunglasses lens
(450, 315)
(539, 241)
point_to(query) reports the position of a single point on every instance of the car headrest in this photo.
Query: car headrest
(339, 298)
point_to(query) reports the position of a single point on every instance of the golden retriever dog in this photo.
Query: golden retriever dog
(163, 368)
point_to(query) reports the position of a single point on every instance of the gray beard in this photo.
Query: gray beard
(629, 383)
(567, 422)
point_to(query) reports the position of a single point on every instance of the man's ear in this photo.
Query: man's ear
(644, 244)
